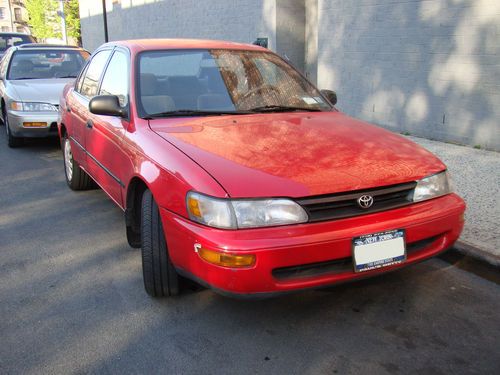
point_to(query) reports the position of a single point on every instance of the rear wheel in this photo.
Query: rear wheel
(76, 177)
(160, 276)
(12, 141)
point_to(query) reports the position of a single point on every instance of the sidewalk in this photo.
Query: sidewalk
(476, 176)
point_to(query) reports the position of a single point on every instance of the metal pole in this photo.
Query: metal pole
(11, 18)
(63, 21)
(105, 20)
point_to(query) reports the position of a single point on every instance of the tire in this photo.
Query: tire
(76, 177)
(159, 274)
(12, 141)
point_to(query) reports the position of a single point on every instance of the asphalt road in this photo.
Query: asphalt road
(72, 301)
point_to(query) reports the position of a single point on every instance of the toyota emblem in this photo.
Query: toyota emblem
(365, 201)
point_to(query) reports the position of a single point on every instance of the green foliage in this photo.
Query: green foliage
(72, 18)
(43, 19)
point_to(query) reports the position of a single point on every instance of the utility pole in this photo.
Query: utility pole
(63, 21)
(105, 21)
(11, 17)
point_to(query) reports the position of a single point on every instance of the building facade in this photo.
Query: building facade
(13, 17)
(429, 68)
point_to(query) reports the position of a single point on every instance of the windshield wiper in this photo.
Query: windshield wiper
(15, 79)
(283, 108)
(193, 112)
(66, 77)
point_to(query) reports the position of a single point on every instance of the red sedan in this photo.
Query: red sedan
(234, 171)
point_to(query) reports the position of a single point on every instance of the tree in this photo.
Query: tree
(43, 18)
(72, 19)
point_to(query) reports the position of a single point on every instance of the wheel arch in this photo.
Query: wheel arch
(135, 189)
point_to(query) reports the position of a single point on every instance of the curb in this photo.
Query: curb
(476, 253)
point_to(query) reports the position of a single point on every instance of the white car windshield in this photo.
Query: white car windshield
(186, 82)
(46, 64)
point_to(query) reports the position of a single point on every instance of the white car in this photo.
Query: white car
(32, 78)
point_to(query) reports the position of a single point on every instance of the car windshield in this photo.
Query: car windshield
(10, 40)
(30, 64)
(194, 82)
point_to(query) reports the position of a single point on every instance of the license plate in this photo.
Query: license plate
(378, 250)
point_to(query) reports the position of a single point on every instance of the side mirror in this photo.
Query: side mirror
(330, 95)
(108, 105)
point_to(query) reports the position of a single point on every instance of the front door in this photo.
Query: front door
(103, 134)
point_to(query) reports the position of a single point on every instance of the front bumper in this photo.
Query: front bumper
(17, 118)
(295, 257)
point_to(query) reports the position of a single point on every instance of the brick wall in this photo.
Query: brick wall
(427, 67)
(239, 20)
(290, 30)
(430, 68)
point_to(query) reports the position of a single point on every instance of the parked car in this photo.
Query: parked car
(8, 40)
(234, 171)
(32, 78)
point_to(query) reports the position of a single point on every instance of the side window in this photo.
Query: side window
(94, 71)
(5, 64)
(78, 83)
(115, 80)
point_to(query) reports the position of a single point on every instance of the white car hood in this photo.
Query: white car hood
(38, 90)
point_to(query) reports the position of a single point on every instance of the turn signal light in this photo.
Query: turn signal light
(225, 259)
(35, 124)
(194, 207)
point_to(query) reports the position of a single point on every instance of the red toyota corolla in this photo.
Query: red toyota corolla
(236, 172)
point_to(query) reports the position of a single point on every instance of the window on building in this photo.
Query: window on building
(17, 14)
(5, 29)
(20, 29)
(2, 14)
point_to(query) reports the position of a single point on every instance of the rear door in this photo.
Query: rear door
(77, 104)
(105, 157)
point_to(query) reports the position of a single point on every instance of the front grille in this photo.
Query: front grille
(338, 265)
(342, 205)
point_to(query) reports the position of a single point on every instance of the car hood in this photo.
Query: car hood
(297, 154)
(39, 90)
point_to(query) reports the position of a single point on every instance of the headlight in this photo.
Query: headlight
(32, 107)
(432, 186)
(243, 213)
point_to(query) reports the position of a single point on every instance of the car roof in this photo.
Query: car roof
(14, 33)
(138, 45)
(41, 46)
(45, 46)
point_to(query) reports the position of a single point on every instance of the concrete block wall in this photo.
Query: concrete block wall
(430, 68)
(427, 67)
(290, 31)
(238, 20)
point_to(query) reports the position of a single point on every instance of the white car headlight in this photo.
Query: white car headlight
(432, 187)
(32, 107)
(243, 213)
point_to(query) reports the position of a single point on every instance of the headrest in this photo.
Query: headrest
(149, 84)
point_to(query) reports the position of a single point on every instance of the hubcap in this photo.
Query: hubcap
(68, 159)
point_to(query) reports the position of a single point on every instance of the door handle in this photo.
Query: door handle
(90, 124)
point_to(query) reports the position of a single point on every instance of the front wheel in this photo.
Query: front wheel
(160, 276)
(76, 177)
(12, 141)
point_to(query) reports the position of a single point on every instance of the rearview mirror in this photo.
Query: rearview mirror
(330, 95)
(108, 105)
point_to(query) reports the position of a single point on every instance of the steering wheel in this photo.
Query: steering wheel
(260, 89)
